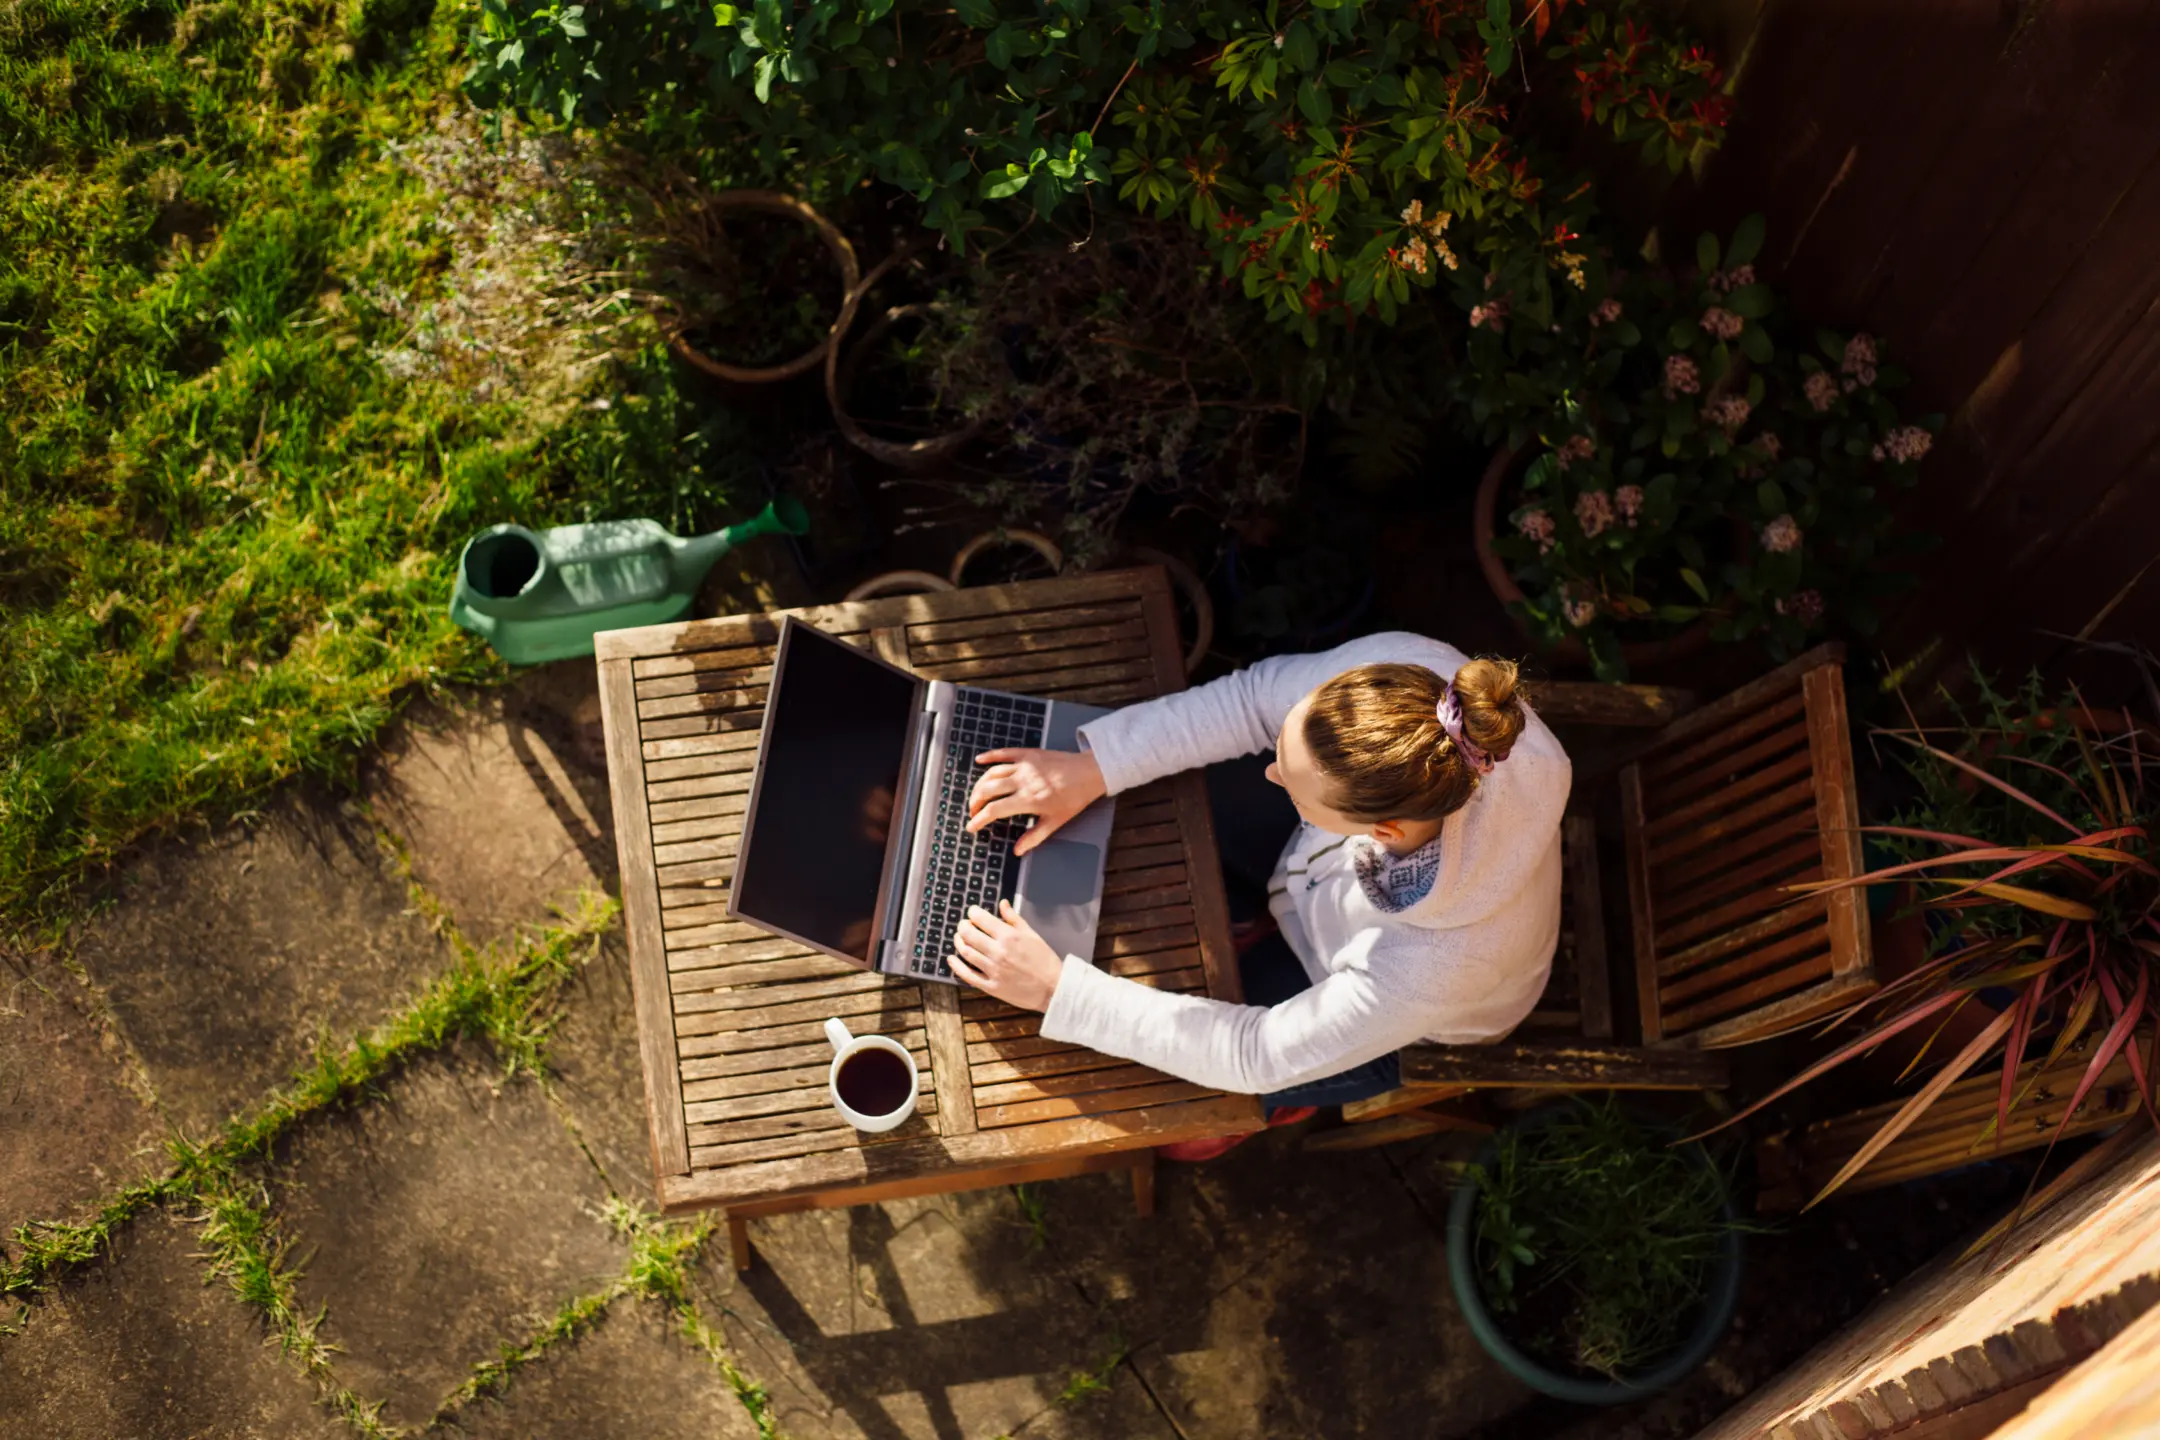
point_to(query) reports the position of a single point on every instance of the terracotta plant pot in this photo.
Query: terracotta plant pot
(913, 456)
(990, 540)
(772, 202)
(900, 582)
(1483, 520)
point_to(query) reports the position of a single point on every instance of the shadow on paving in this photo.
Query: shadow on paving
(146, 1344)
(1275, 1292)
(227, 958)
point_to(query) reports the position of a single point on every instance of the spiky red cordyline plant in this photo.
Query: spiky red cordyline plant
(2068, 916)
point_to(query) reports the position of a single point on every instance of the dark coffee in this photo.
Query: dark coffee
(874, 1082)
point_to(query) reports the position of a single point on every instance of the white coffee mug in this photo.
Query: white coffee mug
(846, 1045)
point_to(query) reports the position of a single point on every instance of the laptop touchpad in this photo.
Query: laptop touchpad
(1058, 894)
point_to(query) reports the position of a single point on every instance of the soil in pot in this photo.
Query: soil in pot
(890, 376)
(762, 291)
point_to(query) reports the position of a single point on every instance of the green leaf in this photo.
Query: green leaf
(511, 55)
(1749, 302)
(1315, 102)
(572, 20)
(1747, 241)
(1755, 344)
(997, 49)
(1706, 252)
(976, 14)
(1771, 496)
(725, 16)
(1695, 583)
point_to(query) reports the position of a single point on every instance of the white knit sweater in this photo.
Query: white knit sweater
(1462, 965)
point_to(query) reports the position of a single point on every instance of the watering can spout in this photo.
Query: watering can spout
(784, 516)
(697, 553)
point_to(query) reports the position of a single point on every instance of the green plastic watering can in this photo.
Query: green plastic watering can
(543, 595)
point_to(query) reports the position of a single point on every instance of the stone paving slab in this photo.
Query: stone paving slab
(454, 1213)
(937, 1317)
(503, 803)
(71, 1128)
(226, 958)
(1281, 1292)
(594, 1066)
(633, 1375)
(139, 1346)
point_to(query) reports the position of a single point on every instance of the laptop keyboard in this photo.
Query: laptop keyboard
(964, 869)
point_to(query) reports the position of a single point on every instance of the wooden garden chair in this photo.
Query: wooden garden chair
(1722, 807)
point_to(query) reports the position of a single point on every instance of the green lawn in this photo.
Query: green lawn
(261, 377)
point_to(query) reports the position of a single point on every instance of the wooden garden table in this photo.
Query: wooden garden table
(730, 1016)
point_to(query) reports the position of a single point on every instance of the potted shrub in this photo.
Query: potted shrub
(2029, 846)
(754, 281)
(1670, 470)
(1594, 1259)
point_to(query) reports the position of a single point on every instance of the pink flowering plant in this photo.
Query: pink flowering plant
(1685, 465)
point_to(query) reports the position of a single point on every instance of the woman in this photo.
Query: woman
(1418, 899)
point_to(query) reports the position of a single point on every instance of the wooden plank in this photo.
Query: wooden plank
(868, 1002)
(1047, 622)
(1002, 1095)
(1711, 865)
(727, 657)
(702, 992)
(997, 1177)
(754, 1066)
(1774, 986)
(949, 1059)
(743, 952)
(1804, 1008)
(1803, 912)
(750, 1046)
(1720, 714)
(1797, 794)
(1734, 912)
(819, 1118)
(1676, 767)
(733, 1178)
(989, 671)
(1029, 1112)
(704, 702)
(1837, 810)
(706, 680)
(1590, 702)
(641, 923)
(1616, 1067)
(739, 757)
(1724, 796)
(1799, 853)
(704, 724)
(1640, 906)
(1029, 1067)
(671, 813)
(854, 617)
(1812, 940)
(1586, 899)
(1006, 641)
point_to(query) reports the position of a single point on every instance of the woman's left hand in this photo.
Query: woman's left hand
(1002, 955)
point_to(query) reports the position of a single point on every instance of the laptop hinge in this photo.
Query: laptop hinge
(900, 862)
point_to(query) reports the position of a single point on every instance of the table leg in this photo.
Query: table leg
(1143, 1185)
(738, 1239)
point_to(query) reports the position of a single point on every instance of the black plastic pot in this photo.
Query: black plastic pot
(1721, 1296)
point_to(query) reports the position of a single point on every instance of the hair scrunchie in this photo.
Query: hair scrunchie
(1451, 720)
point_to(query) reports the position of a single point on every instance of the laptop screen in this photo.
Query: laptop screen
(835, 737)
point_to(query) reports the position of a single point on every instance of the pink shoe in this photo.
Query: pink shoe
(1194, 1151)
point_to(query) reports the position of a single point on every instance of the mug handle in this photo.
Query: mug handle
(838, 1034)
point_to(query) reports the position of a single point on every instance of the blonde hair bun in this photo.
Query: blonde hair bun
(1375, 733)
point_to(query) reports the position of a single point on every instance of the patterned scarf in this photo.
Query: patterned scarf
(1396, 882)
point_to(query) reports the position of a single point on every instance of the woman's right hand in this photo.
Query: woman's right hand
(1051, 785)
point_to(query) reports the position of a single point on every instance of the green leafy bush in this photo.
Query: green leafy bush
(1337, 157)
(1686, 462)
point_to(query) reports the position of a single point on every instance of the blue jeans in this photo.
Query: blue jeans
(1253, 821)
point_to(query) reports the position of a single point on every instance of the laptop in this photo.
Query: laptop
(855, 839)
